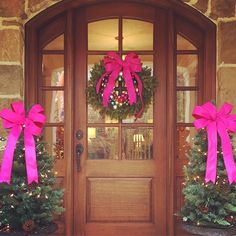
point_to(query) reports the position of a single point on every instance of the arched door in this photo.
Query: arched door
(120, 188)
(130, 176)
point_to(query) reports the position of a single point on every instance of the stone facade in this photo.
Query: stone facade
(14, 14)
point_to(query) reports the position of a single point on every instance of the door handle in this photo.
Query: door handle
(79, 151)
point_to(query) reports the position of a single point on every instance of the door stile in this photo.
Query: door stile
(80, 120)
(171, 121)
(69, 104)
(160, 124)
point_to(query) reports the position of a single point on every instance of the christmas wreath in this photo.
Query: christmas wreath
(120, 88)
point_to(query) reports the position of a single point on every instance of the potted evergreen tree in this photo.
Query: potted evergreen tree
(210, 206)
(29, 209)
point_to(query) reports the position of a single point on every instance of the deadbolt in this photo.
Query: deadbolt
(79, 134)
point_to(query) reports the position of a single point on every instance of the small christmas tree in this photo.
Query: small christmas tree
(28, 207)
(208, 204)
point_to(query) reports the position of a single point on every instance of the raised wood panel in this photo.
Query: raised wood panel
(128, 168)
(122, 229)
(119, 199)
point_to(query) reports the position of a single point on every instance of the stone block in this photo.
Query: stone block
(5, 103)
(227, 86)
(11, 8)
(11, 77)
(11, 45)
(201, 5)
(227, 42)
(222, 8)
(38, 5)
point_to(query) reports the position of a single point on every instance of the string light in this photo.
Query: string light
(12, 206)
(38, 196)
(46, 196)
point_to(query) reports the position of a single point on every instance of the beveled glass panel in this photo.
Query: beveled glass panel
(53, 70)
(53, 102)
(137, 143)
(184, 44)
(187, 66)
(137, 35)
(103, 35)
(54, 137)
(56, 44)
(185, 141)
(93, 115)
(103, 143)
(186, 101)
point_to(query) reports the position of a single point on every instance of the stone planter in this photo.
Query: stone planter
(42, 231)
(207, 231)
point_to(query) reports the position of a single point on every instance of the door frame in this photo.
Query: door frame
(66, 9)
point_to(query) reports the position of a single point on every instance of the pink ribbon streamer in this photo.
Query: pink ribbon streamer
(220, 122)
(15, 120)
(113, 66)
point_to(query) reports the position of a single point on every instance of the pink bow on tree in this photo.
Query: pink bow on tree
(15, 120)
(113, 66)
(220, 122)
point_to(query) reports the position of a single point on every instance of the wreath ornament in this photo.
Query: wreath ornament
(120, 88)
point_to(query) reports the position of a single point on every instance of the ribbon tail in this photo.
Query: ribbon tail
(110, 85)
(98, 85)
(140, 91)
(30, 157)
(130, 86)
(7, 162)
(227, 155)
(212, 153)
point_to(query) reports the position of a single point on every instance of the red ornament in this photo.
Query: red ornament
(229, 218)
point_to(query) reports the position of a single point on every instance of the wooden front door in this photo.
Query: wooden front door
(120, 187)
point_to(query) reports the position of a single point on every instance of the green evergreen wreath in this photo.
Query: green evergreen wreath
(120, 110)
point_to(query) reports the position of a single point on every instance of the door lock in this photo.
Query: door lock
(79, 150)
(79, 134)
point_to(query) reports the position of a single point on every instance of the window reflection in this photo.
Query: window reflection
(102, 35)
(137, 35)
(56, 44)
(137, 143)
(187, 70)
(185, 136)
(103, 143)
(53, 70)
(54, 106)
(186, 101)
(54, 136)
(184, 44)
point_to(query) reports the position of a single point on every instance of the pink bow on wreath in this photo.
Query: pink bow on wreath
(15, 120)
(113, 66)
(220, 122)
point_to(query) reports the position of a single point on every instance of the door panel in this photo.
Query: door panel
(119, 200)
(120, 191)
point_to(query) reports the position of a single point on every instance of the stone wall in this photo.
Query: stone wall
(223, 14)
(14, 14)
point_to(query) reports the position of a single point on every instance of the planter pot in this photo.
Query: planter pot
(42, 231)
(207, 231)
